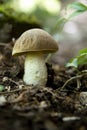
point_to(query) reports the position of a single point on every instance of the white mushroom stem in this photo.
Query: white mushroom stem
(35, 69)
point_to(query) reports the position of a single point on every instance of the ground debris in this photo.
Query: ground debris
(41, 108)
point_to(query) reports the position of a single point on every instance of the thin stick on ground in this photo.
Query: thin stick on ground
(75, 77)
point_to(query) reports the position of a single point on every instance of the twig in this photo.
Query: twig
(78, 84)
(2, 44)
(19, 98)
(15, 90)
(12, 81)
(75, 77)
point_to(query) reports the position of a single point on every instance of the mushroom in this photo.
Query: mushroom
(35, 43)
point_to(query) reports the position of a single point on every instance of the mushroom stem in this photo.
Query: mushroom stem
(35, 69)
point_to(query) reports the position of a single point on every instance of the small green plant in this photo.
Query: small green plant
(77, 8)
(80, 59)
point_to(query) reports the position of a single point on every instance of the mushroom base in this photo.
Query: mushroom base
(35, 69)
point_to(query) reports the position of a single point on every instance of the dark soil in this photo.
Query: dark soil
(58, 106)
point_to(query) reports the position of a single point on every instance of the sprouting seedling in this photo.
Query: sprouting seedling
(80, 59)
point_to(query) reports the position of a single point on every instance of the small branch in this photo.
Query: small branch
(2, 44)
(75, 77)
(6, 92)
(15, 90)
(78, 84)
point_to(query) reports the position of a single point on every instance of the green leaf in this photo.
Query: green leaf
(75, 13)
(83, 51)
(78, 6)
(78, 9)
(81, 59)
(1, 88)
(60, 24)
(72, 63)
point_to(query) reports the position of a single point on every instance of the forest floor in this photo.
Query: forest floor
(59, 106)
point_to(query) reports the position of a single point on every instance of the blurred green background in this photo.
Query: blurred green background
(16, 16)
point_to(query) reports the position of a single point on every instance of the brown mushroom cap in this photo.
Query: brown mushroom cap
(35, 40)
